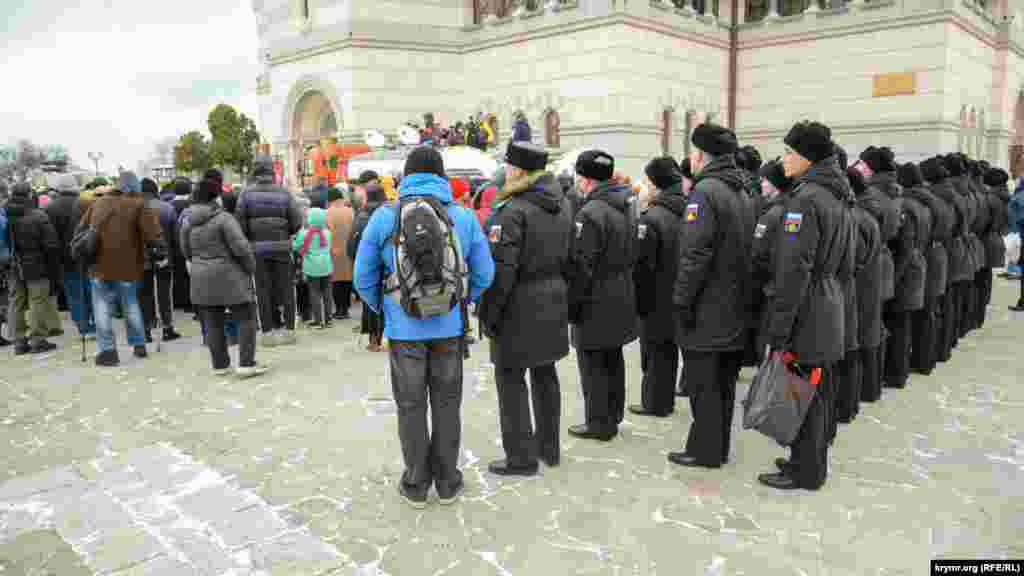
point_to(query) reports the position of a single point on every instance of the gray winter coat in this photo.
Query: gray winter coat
(222, 260)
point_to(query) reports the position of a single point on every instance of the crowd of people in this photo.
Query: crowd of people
(863, 272)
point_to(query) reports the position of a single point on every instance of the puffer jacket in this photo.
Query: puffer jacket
(914, 240)
(316, 260)
(221, 259)
(957, 246)
(657, 247)
(936, 254)
(269, 216)
(995, 248)
(36, 248)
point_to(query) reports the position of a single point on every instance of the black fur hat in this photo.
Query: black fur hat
(663, 172)
(996, 177)
(714, 139)
(909, 175)
(812, 140)
(934, 169)
(879, 159)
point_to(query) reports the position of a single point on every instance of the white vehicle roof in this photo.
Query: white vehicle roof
(458, 161)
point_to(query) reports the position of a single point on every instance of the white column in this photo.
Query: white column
(773, 10)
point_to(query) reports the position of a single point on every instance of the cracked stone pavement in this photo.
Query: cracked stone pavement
(160, 468)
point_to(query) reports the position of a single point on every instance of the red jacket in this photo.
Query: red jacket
(486, 202)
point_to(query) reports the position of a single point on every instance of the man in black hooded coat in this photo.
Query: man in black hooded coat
(525, 312)
(712, 292)
(602, 302)
(657, 259)
(956, 164)
(763, 250)
(948, 313)
(861, 379)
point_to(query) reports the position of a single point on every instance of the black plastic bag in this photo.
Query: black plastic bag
(778, 399)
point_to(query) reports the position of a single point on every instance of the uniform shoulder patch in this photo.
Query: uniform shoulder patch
(793, 221)
(760, 230)
(692, 211)
(579, 230)
(641, 231)
(494, 235)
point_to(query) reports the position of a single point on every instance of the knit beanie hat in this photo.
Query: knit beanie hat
(909, 175)
(128, 183)
(424, 159)
(812, 140)
(663, 172)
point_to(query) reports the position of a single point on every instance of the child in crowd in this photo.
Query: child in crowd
(313, 244)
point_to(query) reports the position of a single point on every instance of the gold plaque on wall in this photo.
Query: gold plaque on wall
(894, 84)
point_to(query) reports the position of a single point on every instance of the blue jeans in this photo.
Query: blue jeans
(78, 293)
(105, 293)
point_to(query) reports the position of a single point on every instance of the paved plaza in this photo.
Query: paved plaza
(160, 468)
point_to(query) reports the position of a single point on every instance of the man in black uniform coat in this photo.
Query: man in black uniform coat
(763, 249)
(982, 223)
(925, 330)
(602, 301)
(935, 172)
(885, 191)
(956, 164)
(712, 292)
(657, 259)
(525, 312)
(911, 273)
(865, 383)
(998, 200)
(808, 317)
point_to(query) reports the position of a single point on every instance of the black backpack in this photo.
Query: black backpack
(429, 276)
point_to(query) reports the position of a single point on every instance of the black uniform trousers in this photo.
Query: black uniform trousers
(848, 393)
(216, 339)
(660, 364)
(156, 292)
(954, 309)
(968, 296)
(275, 288)
(711, 378)
(924, 330)
(871, 374)
(181, 289)
(342, 297)
(984, 281)
(897, 353)
(523, 444)
(603, 374)
(809, 451)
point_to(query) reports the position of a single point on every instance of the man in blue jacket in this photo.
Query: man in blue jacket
(425, 354)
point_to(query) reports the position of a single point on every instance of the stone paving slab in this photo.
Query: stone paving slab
(295, 472)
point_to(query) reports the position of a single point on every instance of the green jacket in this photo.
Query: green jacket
(316, 261)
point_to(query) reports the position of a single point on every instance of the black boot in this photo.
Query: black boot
(4, 342)
(21, 347)
(170, 335)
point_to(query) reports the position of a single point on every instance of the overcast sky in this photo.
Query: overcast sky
(116, 76)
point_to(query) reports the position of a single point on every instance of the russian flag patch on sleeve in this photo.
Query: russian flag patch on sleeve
(692, 210)
(792, 222)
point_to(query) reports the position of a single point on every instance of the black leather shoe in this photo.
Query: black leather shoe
(149, 338)
(4, 342)
(502, 468)
(21, 348)
(582, 431)
(684, 459)
(784, 466)
(641, 411)
(170, 335)
(107, 359)
(139, 351)
(777, 480)
(1018, 308)
(550, 460)
(42, 347)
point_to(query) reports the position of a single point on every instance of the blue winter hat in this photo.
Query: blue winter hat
(129, 183)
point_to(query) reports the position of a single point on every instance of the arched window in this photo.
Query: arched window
(961, 134)
(972, 124)
(667, 129)
(979, 150)
(552, 125)
(690, 122)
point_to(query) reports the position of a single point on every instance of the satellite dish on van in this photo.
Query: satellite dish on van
(375, 139)
(408, 135)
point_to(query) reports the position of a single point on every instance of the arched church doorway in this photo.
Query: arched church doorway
(314, 120)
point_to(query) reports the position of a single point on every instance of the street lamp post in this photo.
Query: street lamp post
(96, 157)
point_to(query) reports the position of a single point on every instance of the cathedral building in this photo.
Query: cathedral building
(635, 76)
